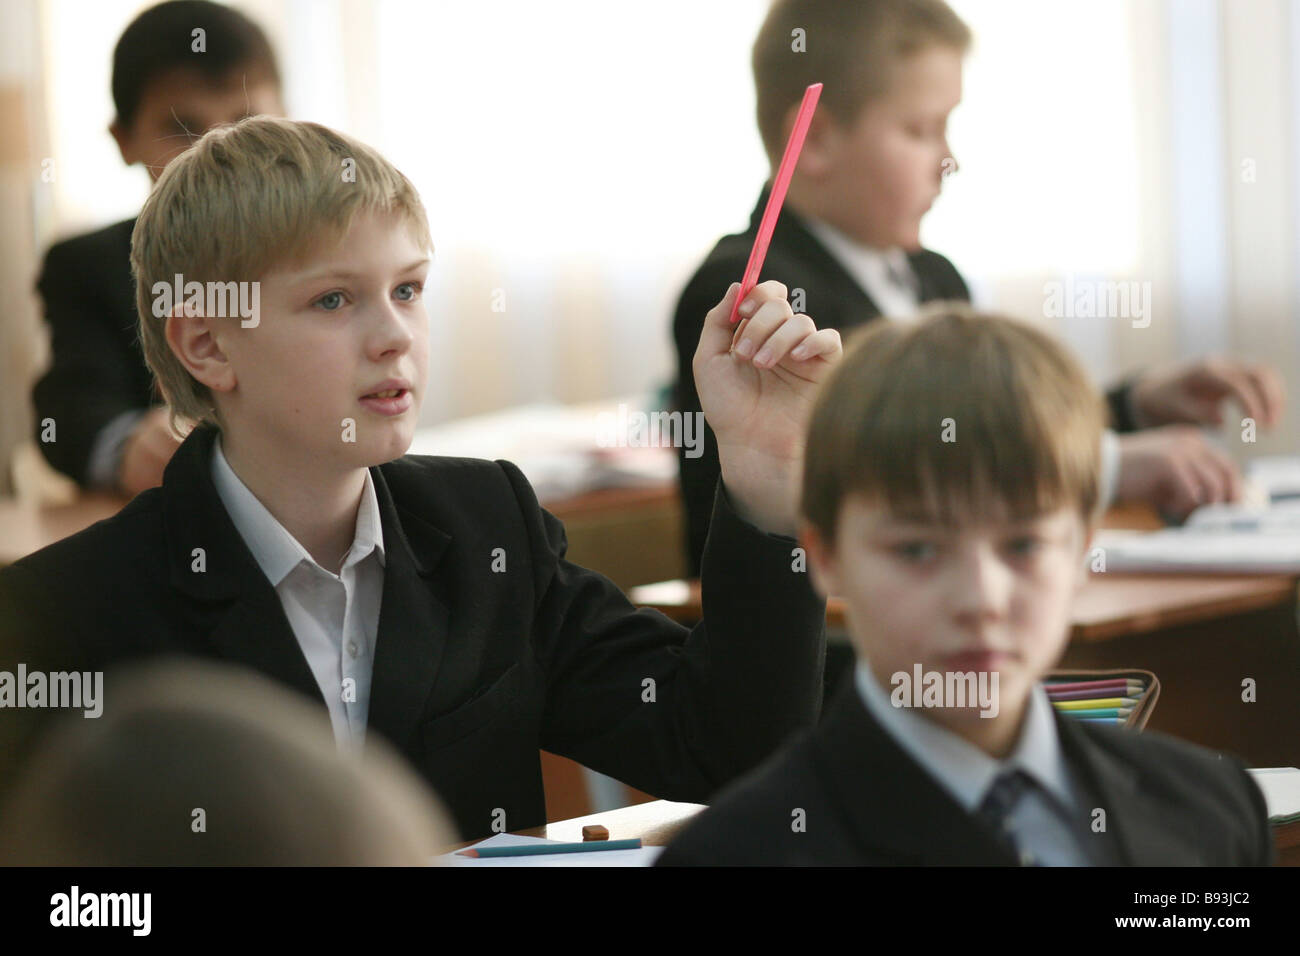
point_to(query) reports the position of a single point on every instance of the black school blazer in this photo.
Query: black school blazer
(475, 670)
(97, 370)
(833, 298)
(867, 802)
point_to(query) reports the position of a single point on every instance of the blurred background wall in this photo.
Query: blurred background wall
(578, 157)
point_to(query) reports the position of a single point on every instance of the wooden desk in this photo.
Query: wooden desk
(1201, 635)
(658, 821)
(1109, 605)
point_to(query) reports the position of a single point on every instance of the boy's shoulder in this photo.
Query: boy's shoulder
(451, 489)
(1174, 771)
(139, 525)
(842, 794)
(777, 815)
(92, 246)
(133, 548)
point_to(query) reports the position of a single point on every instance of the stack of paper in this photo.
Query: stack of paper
(565, 450)
(1281, 786)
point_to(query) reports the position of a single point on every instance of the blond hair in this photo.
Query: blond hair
(961, 414)
(850, 46)
(245, 198)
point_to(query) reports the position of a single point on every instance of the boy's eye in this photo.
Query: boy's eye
(1024, 545)
(413, 291)
(915, 551)
(330, 301)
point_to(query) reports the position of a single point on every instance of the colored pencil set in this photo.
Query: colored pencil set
(1109, 701)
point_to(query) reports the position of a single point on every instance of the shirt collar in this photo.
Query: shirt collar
(276, 551)
(873, 268)
(964, 770)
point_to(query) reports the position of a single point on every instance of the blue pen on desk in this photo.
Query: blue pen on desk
(537, 849)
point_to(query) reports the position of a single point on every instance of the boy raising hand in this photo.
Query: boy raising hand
(757, 383)
(425, 599)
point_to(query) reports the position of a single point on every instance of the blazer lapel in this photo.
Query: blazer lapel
(230, 599)
(233, 604)
(413, 619)
(876, 784)
(1145, 828)
(852, 305)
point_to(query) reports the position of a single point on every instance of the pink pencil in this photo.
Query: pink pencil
(777, 197)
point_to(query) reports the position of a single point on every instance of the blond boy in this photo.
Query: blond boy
(424, 599)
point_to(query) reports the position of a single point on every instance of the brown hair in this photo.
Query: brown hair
(258, 760)
(245, 198)
(955, 415)
(851, 46)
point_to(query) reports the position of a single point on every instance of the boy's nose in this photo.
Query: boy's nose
(983, 586)
(391, 331)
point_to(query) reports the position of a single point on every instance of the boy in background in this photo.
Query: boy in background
(111, 432)
(425, 600)
(958, 555)
(849, 236)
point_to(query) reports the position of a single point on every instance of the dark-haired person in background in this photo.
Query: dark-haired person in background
(170, 85)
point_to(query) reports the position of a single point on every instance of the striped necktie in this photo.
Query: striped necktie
(999, 802)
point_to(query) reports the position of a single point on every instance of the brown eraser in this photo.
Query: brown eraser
(594, 832)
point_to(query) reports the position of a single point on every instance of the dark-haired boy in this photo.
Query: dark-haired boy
(170, 85)
(951, 486)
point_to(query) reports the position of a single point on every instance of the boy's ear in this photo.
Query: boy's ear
(125, 142)
(193, 341)
(819, 147)
(823, 570)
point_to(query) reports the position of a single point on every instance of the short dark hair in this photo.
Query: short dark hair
(851, 47)
(160, 40)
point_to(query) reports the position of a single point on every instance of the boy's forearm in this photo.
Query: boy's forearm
(765, 628)
(764, 494)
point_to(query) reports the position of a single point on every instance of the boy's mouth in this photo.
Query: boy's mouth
(977, 660)
(393, 397)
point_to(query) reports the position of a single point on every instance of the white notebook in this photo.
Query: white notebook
(1281, 786)
(1259, 535)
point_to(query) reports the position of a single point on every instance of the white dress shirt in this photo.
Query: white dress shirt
(335, 617)
(884, 274)
(1047, 821)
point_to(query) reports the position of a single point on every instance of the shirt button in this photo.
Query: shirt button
(352, 648)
